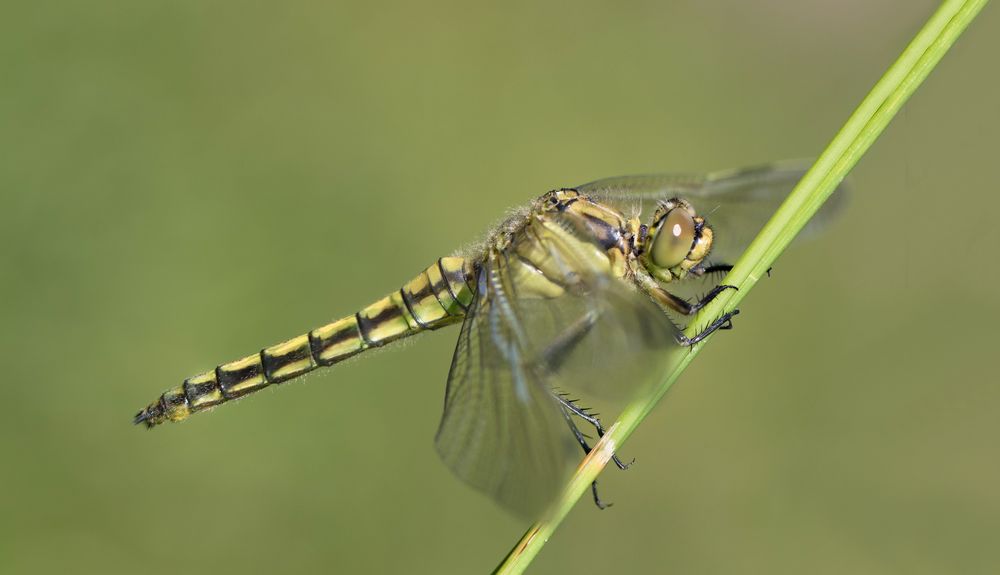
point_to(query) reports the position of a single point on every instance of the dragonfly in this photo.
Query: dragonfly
(576, 292)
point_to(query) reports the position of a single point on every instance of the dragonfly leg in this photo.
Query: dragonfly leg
(597, 498)
(586, 449)
(723, 322)
(681, 305)
(558, 351)
(700, 270)
(716, 269)
(569, 406)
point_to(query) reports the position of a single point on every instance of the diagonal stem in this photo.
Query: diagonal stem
(859, 132)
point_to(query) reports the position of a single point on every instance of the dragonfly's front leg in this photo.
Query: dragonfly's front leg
(680, 305)
(723, 322)
(701, 270)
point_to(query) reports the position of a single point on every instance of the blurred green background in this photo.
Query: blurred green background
(185, 182)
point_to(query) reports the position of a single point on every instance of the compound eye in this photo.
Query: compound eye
(674, 239)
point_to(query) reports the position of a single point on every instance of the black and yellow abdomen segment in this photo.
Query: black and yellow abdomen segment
(439, 296)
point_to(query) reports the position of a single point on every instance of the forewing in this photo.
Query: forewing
(735, 203)
(502, 431)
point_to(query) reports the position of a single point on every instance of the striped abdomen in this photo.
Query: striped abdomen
(439, 296)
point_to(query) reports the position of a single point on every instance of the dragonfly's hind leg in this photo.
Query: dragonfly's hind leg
(568, 407)
(558, 351)
(597, 498)
(582, 440)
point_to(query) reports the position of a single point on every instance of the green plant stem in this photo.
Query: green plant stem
(862, 128)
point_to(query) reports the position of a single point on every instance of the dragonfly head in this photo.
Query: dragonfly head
(676, 240)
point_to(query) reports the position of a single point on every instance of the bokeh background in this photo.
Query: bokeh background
(185, 182)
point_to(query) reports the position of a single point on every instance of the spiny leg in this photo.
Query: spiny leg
(723, 322)
(711, 269)
(582, 440)
(553, 357)
(717, 269)
(597, 498)
(556, 353)
(681, 305)
(669, 300)
(568, 405)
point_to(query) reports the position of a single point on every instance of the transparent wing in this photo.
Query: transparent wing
(735, 203)
(502, 430)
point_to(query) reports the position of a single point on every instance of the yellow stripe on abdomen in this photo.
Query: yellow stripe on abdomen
(439, 296)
